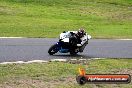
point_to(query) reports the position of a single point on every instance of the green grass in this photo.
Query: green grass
(61, 74)
(48, 18)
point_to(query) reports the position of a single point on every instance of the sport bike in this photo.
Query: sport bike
(68, 43)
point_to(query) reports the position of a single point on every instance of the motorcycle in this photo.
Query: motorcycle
(68, 43)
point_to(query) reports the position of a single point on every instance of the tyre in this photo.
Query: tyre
(72, 52)
(52, 50)
(81, 80)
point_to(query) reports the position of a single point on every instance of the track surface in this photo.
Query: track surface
(25, 49)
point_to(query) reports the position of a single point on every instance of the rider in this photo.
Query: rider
(80, 33)
(76, 37)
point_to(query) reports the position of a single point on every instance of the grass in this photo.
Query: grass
(61, 74)
(48, 18)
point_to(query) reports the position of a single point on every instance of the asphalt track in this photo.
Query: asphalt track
(25, 49)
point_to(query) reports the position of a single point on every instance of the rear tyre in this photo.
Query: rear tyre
(72, 52)
(52, 50)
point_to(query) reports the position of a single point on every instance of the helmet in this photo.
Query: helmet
(81, 32)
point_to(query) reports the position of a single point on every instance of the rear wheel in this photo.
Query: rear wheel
(72, 52)
(53, 49)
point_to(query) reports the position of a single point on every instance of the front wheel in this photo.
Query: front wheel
(52, 50)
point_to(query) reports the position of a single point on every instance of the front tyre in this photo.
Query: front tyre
(53, 49)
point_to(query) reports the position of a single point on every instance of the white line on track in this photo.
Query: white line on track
(11, 37)
(123, 39)
(61, 60)
(22, 62)
(43, 61)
